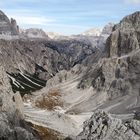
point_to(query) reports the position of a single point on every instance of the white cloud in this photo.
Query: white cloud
(26, 17)
(132, 1)
(32, 20)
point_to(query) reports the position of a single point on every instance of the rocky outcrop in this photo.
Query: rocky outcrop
(12, 125)
(123, 46)
(107, 30)
(7, 27)
(123, 51)
(14, 27)
(125, 37)
(102, 126)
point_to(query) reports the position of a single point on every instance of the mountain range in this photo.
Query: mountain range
(79, 87)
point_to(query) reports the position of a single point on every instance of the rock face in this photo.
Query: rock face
(125, 37)
(107, 30)
(7, 27)
(14, 27)
(124, 46)
(102, 126)
(11, 117)
(121, 69)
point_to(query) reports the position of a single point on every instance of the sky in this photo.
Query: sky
(68, 16)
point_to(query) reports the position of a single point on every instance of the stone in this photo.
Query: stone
(102, 126)
(19, 104)
(125, 36)
(7, 27)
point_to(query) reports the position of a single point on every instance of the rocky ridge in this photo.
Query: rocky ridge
(34, 33)
(8, 27)
(102, 126)
(12, 124)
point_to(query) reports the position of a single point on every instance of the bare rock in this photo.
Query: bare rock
(107, 29)
(19, 104)
(125, 36)
(7, 27)
(102, 126)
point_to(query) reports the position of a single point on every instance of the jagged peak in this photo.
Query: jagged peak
(129, 22)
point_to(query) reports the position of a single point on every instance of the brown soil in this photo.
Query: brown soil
(45, 133)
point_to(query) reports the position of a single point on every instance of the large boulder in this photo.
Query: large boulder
(103, 126)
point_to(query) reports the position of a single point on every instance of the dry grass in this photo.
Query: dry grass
(49, 101)
(46, 133)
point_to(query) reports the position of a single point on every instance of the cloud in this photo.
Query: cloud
(67, 16)
(26, 17)
(32, 20)
(132, 1)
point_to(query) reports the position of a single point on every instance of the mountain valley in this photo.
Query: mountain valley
(78, 87)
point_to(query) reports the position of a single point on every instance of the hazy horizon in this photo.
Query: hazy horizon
(68, 16)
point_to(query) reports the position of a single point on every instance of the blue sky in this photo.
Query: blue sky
(68, 16)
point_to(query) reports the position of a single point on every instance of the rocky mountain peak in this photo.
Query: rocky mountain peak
(125, 37)
(14, 26)
(7, 26)
(130, 22)
(108, 28)
(34, 33)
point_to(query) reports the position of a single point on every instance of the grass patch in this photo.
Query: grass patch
(45, 133)
(50, 100)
